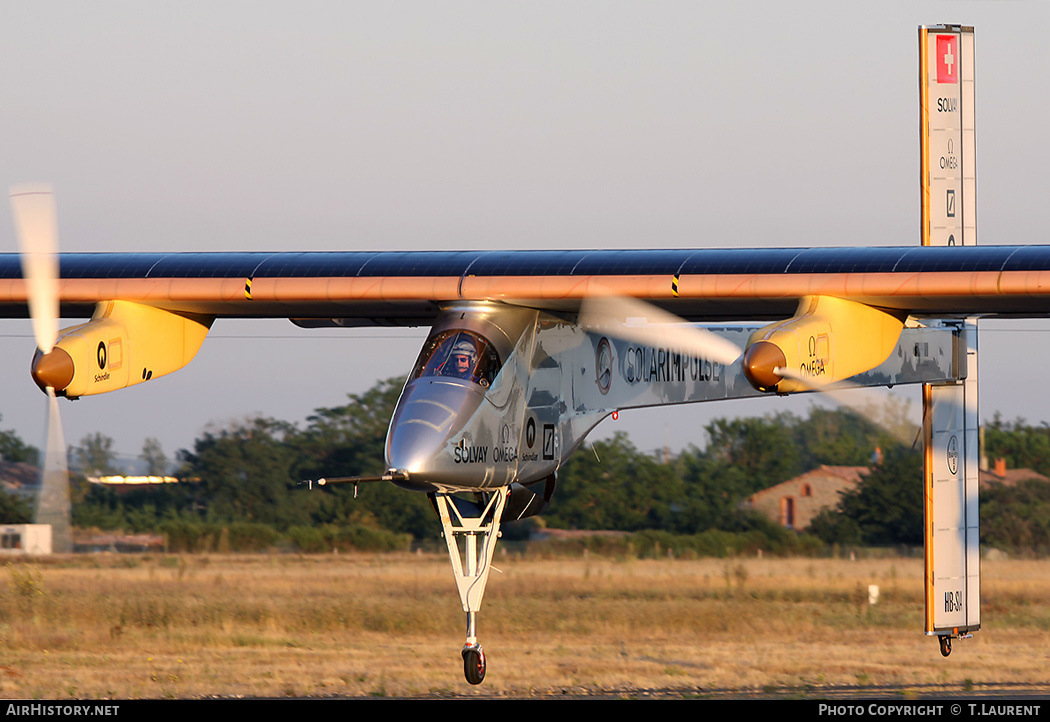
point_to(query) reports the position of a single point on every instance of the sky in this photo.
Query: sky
(260, 125)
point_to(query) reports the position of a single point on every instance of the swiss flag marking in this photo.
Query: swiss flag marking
(947, 59)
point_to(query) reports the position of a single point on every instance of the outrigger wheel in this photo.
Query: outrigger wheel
(474, 663)
(946, 645)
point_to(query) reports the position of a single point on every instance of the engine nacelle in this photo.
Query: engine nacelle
(827, 340)
(122, 345)
(530, 500)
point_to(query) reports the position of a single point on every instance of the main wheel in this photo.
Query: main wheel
(473, 664)
(946, 645)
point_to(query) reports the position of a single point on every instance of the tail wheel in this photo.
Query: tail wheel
(473, 664)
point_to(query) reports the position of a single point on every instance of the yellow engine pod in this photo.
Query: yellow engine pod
(122, 345)
(827, 340)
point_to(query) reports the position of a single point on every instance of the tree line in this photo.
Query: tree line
(245, 480)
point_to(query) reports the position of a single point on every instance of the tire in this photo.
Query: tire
(474, 665)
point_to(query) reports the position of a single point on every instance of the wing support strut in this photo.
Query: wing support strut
(471, 531)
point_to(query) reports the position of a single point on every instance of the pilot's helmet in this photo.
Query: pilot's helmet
(465, 348)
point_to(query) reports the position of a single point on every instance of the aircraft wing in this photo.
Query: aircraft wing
(408, 287)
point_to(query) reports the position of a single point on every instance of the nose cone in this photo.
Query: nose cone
(54, 369)
(414, 441)
(760, 361)
(426, 425)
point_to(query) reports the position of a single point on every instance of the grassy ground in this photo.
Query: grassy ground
(125, 627)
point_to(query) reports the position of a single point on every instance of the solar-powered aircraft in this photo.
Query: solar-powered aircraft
(529, 350)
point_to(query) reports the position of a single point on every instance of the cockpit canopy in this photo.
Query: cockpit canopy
(458, 354)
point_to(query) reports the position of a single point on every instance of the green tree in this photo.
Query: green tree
(764, 450)
(839, 437)
(831, 526)
(136, 510)
(887, 505)
(245, 473)
(349, 440)
(95, 455)
(12, 448)
(612, 486)
(712, 492)
(153, 455)
(14, 509)
(1021, 445)
(1016, 517)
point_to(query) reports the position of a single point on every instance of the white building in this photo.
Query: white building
(30, 539)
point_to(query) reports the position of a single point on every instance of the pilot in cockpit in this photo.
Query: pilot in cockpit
(458, 354)
(462, 360)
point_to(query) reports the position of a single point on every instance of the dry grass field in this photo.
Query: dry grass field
(162, 626)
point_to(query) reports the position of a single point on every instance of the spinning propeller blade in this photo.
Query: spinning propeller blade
(36, 227)
(658, 327)
(859, 399)
(53, 504)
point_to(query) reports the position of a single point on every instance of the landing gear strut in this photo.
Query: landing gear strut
(471, 530)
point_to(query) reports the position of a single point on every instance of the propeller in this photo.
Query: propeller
(660, 327)
(36, 226)
(860, 399)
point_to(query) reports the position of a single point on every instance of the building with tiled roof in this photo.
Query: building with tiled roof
(998, 473)
(794, 503)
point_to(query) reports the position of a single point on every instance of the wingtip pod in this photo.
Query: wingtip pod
(827, 340)
(123, 344)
